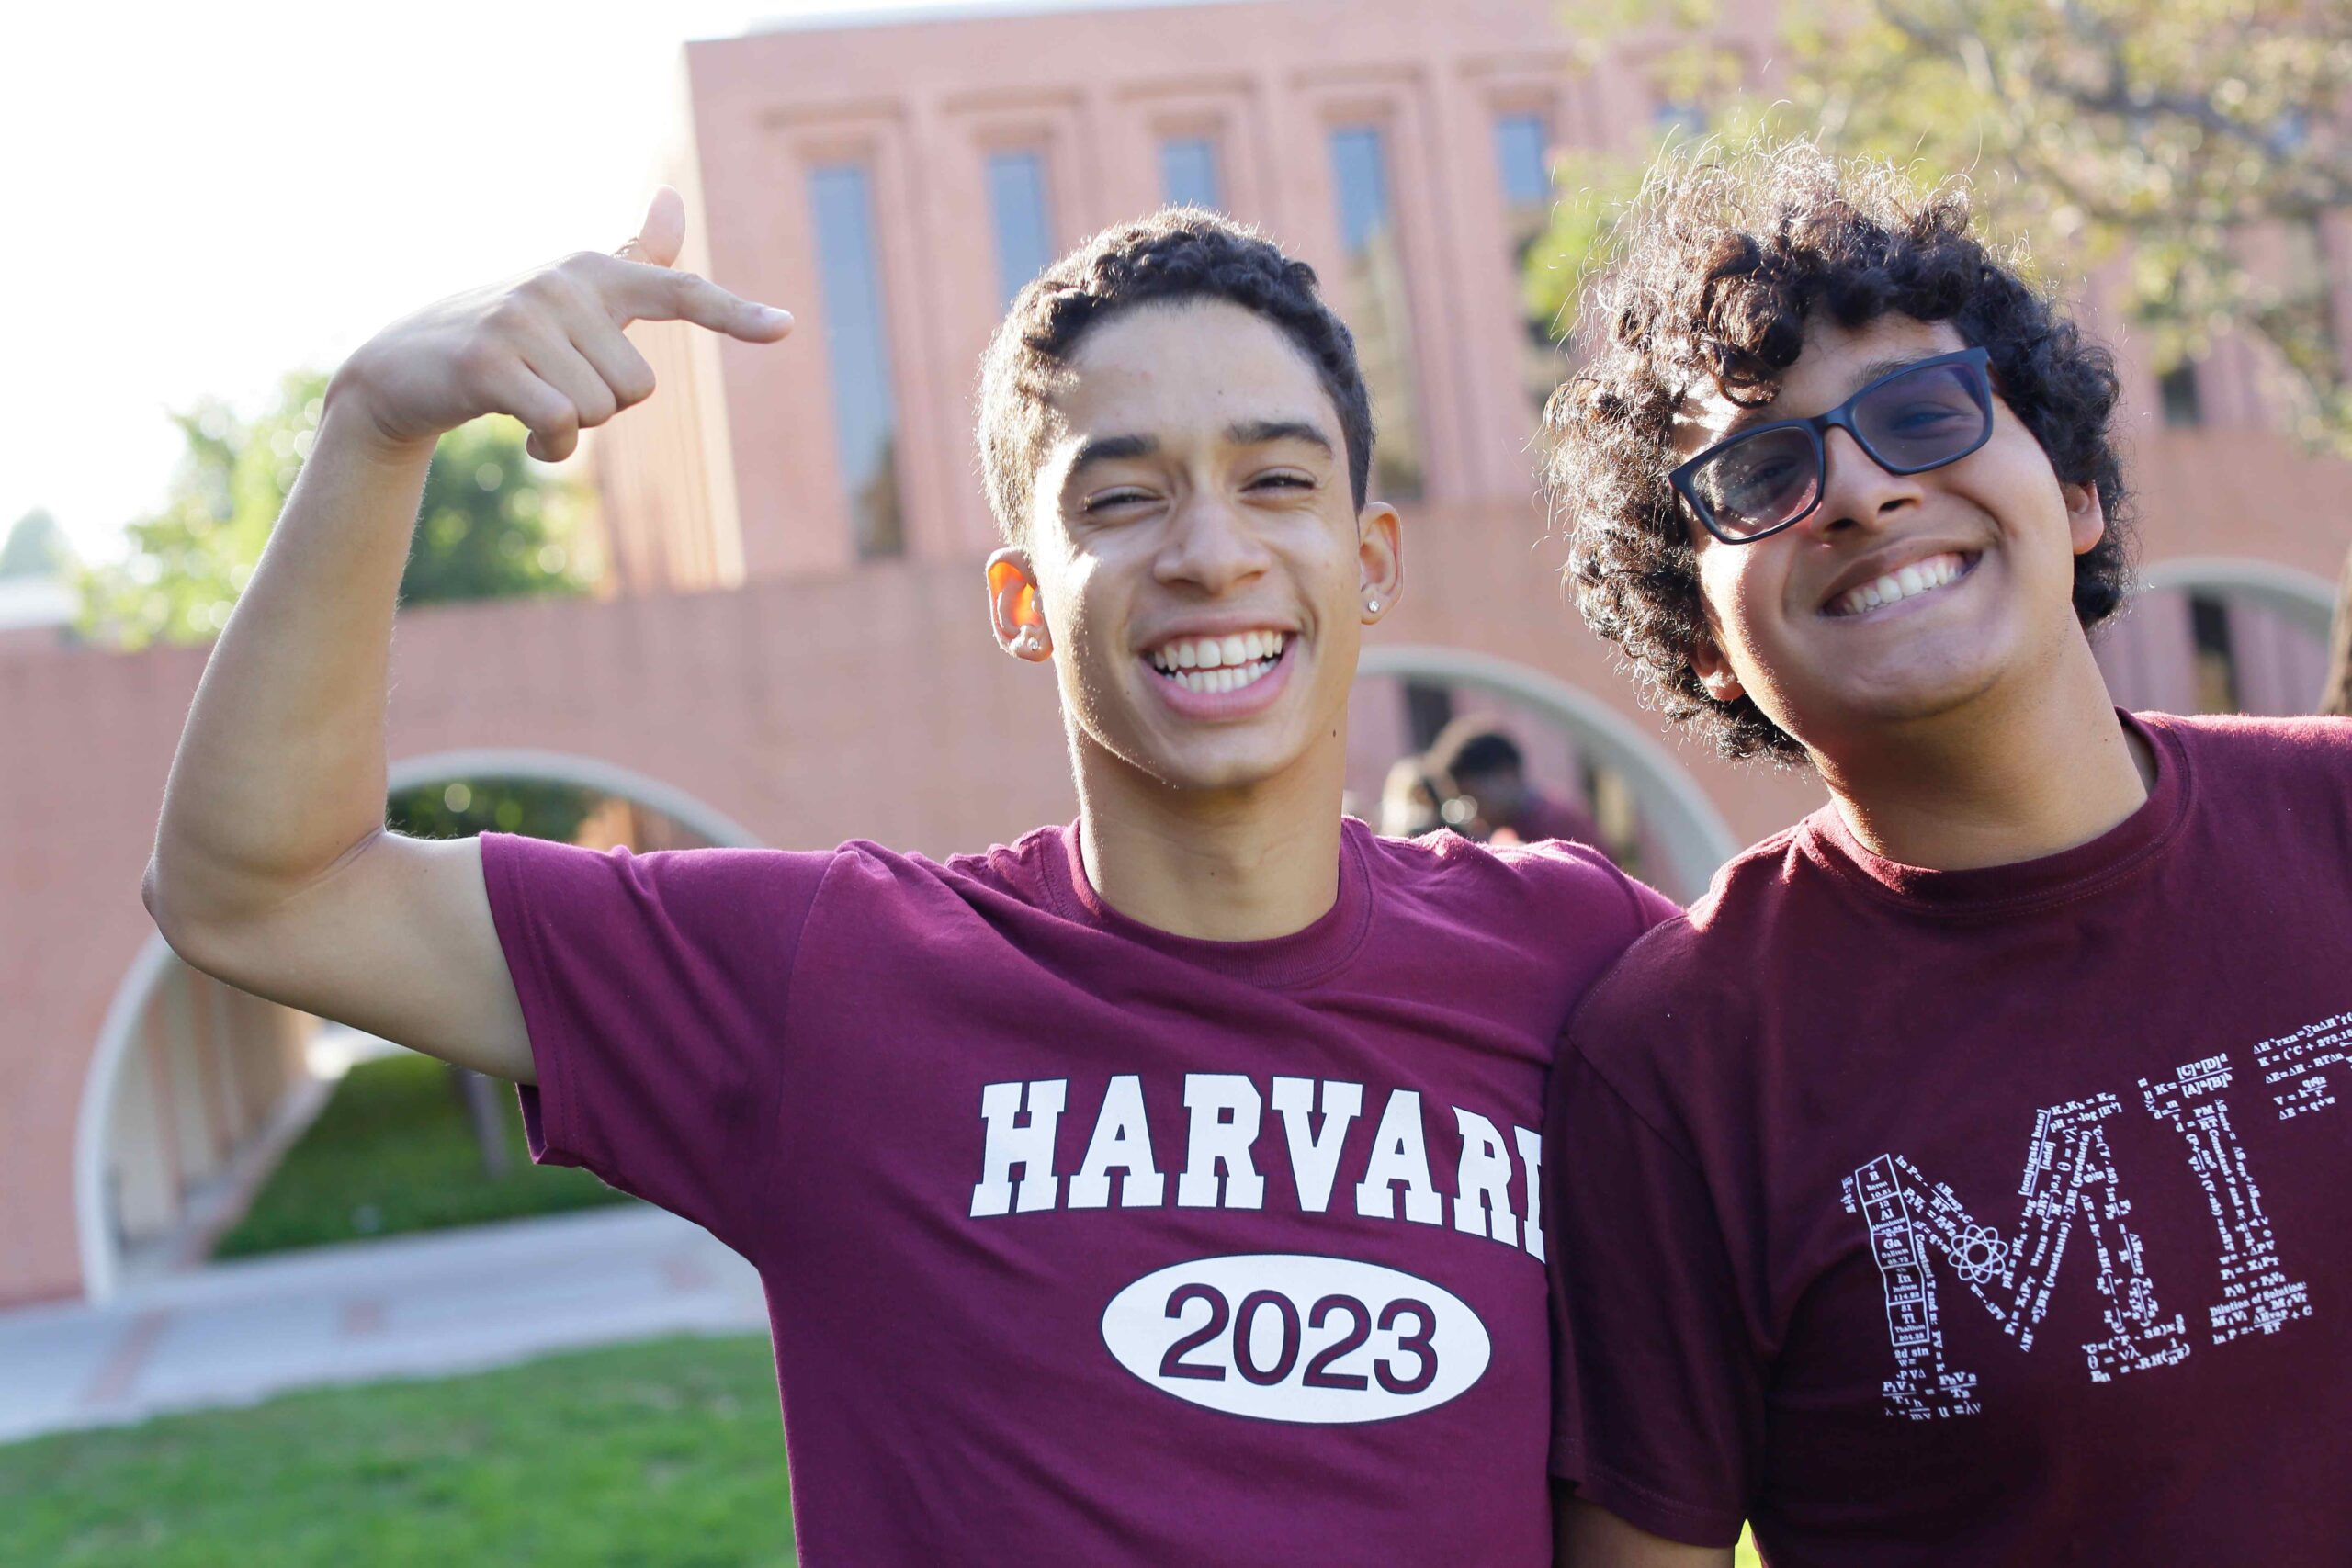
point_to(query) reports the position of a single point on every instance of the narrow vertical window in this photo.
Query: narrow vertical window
(2184, 408)
(1025, 230)
(1522, 165)
(857, 355)
(1188, 173)
(2216, 654)
(1375, 304)
(1520, 144)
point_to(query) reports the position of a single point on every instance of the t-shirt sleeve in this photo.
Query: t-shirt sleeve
(655, 989)
(1657, 1400)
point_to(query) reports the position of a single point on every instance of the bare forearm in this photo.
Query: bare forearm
(280, 771)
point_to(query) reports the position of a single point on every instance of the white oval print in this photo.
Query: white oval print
(1288, 1336)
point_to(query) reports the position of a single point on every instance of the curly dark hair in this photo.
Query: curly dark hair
(1712, 275)
(1177, 254)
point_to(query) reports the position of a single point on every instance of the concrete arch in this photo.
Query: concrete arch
(1689, 830)
(2297, 597)
(117, 1032)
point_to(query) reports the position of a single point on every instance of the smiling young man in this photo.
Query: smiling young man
(1160, 1189)
(1961, 1181)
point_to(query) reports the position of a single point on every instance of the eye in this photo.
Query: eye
(1112, 500)
(1287, 479)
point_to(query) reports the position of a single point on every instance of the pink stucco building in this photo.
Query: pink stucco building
(794, 650)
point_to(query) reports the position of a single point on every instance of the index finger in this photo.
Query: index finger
(637, 292)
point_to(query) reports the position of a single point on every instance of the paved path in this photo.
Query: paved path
(452, 1301)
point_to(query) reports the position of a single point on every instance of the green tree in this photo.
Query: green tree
(36, 547)
(2190, 137)
(492, 522)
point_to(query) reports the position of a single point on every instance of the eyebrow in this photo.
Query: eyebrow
(1241, 431)
(1876, 370)
(1112, 448)
(1261, 432)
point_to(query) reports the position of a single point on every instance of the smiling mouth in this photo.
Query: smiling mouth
(1210, 664)
(1919, 577)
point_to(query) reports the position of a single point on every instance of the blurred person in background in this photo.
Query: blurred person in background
(1490, 798)
(1157, 1189)
(1412, 798)
(1845, 486)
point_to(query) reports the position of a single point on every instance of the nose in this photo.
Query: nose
(1211, 545)
(1855, 491)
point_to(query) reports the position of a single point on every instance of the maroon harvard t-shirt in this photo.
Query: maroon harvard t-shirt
(1994, 1217)
(1084, 1243)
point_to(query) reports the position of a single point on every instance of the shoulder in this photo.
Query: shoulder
(2296, 761)
(1688, 984)
(1551, 880)
(2317, 741)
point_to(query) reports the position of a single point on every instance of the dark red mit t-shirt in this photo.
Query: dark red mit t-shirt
(1994, 1217)
(1084, 1243)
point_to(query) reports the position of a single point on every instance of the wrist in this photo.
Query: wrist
(350, 420)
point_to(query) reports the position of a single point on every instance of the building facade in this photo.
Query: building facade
(795, 649)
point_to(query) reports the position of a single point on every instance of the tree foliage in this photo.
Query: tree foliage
(2197, 142)
(492, 522)
(537, 808)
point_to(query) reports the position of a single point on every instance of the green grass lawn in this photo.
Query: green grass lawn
(662, 1455)
(394, 1152)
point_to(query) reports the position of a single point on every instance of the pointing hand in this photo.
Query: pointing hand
(546, 347)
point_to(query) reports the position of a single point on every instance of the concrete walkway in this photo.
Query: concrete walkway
(451, 1301)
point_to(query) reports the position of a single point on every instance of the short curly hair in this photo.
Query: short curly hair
(1712, 275)
(1176, 255)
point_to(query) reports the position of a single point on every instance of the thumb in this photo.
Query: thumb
(663, 234)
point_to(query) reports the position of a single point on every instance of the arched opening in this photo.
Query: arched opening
(194, 1088)
(1577, 747)
(2211, 634)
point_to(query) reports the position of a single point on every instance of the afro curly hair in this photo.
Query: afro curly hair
(1176, 255)
(1712, 275)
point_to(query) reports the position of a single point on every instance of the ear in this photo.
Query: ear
(2086, 523)
(1018, 619)
(1714, 671)
(1380, 559)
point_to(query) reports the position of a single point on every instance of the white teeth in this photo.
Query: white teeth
(1215, 653)
(1919, 577)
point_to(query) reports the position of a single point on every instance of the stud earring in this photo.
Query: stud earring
(1373, 606)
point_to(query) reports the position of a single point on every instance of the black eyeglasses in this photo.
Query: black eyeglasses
(1917, 418)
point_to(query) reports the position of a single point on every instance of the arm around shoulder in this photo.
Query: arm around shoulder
(1589, 1536)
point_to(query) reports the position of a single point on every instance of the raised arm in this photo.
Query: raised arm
(272, 867)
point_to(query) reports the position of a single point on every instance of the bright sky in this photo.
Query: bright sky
(201, 197)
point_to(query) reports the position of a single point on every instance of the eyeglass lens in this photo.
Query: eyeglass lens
(1908, 423)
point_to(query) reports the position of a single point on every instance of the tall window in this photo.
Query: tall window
(1025, 230)
(1188, 172)
(1375, 304)
(1521, 141)
(2177, 389)
(1522, 165)
(857, 355)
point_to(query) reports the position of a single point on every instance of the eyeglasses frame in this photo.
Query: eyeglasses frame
(1816, 429)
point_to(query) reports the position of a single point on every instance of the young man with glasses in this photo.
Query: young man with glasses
(1159, 1189)
(1962, 1180)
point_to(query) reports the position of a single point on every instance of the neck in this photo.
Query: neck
(1242, 864)
(1997, 781)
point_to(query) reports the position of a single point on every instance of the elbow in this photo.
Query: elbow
(158, 890)
(187, 928)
